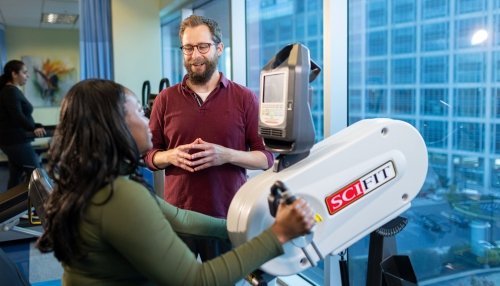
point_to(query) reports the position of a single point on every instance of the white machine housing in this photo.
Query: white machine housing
(355, 180)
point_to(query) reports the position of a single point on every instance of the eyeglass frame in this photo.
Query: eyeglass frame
(188, 53)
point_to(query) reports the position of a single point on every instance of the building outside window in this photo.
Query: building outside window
(435, 36)
(434, 8)
(448, 88)
(434, 69)
(403, 40)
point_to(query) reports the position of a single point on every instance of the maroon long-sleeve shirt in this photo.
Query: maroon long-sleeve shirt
(228, 117)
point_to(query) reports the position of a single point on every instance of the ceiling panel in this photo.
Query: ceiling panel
(28, 13)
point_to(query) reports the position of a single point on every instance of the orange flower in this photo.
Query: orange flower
(55, 67)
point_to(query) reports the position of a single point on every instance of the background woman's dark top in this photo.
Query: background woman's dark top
(15, 116)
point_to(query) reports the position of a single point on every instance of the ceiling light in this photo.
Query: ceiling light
(59, 18)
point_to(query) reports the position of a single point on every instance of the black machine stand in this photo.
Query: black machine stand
(385, 267)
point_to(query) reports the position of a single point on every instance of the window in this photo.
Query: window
(376, 72)
(495, 103)
(496, 33)
(440, 171)
(469, 68)
(435, 37)
(496, 66)
(468, 174)
(356, 47)
(377, 13)
(434, 102)
(376, 101)
(495, 170)
(357, 13)
(355, 104)
(403, 11)
(355, 78)
(402, 101)
(173, 67)
(377, 43)
(403, 71)
(434, 69)
(435, 133)
(435, 8)
(468, 136)
(403, 40)
(469, 6)
(495, 142)
(465, 29)
(468, 102)
(443, 87)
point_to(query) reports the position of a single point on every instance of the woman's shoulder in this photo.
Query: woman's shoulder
(11, 90)
(121, 190)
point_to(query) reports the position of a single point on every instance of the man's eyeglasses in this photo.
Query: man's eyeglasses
(203, 48)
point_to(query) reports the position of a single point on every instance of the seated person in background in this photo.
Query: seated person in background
(109, 229)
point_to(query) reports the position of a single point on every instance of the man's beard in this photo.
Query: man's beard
(203, 77)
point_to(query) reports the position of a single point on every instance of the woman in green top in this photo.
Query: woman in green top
(108, 229)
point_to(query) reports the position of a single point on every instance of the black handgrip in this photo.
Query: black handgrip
(163, 82)
(146, 90)
(279, 192)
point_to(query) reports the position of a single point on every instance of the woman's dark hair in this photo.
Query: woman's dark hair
(12, 66)
(91, 147)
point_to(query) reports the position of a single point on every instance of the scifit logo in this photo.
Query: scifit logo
(357, 189)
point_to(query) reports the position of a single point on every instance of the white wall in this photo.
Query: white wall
(136, 43)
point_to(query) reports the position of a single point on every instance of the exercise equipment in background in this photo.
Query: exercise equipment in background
(148, 97)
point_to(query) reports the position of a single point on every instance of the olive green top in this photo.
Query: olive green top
(131, 240)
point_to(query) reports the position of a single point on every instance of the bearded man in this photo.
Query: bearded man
(205, 133)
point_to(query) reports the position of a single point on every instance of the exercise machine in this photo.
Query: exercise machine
(356, 180)
(148, 98)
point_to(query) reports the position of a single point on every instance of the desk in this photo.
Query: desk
(40, 144)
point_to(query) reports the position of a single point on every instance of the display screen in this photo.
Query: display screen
(274, 87)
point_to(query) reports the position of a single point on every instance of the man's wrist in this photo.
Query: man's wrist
(158, 165)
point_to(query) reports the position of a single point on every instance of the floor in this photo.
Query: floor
(40, 269)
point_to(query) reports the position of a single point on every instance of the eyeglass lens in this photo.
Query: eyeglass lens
(202, 48)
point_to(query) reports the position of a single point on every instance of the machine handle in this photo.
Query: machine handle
(279, 192)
